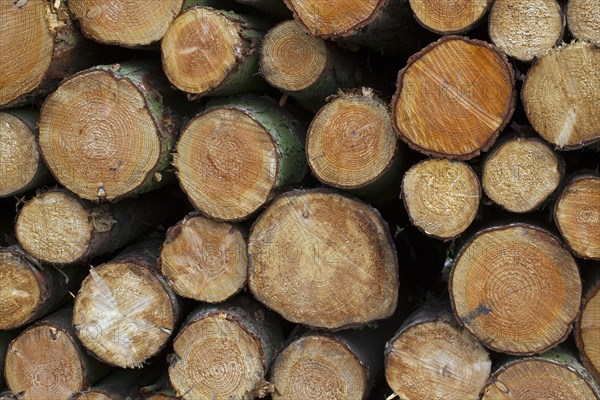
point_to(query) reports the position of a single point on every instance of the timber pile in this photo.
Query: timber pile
(299, 199)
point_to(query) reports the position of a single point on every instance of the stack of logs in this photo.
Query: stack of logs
(208, 199)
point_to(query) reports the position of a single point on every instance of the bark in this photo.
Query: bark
(443, 17)
(583, 20)
(125, 312)
(255, 150)
(587, 327)
(57, 227)
(119, 385)
(5, 339)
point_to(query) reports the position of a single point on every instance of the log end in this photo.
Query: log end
(587, 331)
(583, 19)
(92, 395)
(446, 17)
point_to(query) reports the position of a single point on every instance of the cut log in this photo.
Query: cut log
(583, 20)
(587, 328)
(224, 352)
(46, 361)
(111, 118)
(125, 312)
(431, 357)
(205, 260)
(577, 215)
(521, 173)
(232, 158)
(516, 289)
(21, 165)
(525, 30)
(119, 385)
(446, 17)
(274, 8)
(441, 197)
(208, 51)
(323, 260)
(125, 23)
(5, 339)
(553, 375)
(454, 97)
(560, 94)
(54, 50)
(29, 291)
(57, 227)
(306, 67)
(351, 145)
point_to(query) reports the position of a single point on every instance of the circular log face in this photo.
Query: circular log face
(23, 71)
(19, 291)
(516, 288)
(588, 331)
(583, 19)
(449, 16)
(91, 395)
(44, 363)
(454, 97)
(323, 260)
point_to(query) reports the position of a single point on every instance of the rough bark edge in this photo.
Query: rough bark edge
(592, 290)
(466, 29)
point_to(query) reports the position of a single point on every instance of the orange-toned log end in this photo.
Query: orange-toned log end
(560, 95)
(445, 17)
(321, 259)
(318, 367)
(125, 23)
(351, 141)
(587, 329)
(123, 314)
(227, 164)
(44, 363)
(583, 19)
(528, 29)
(516, 288)
(454, 97)
(521, 174)
(204, 259)
(441, 197)
(577, 215)
(436, 360)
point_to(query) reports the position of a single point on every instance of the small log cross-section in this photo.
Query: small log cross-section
(125, 312)
(521, 173)
(57, 227)
(106, 134)
(306, 67)
(504, 268)
(224, 351)
(323, 260)
(577, 215)
(125, 23)
(583, 20)
(205, 260)
(526, 29)
(46, 361)
(561, 94)
(446, 17)
(234, 157)
(431, 357)
(587, 328)
(441, 197)
(454, 97)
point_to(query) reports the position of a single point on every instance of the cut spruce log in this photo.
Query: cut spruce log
(501, 269)
(351, 145)
(577, 215)
(521, 173)
(205, 260)
(556, 374)
(526, 30)
(125, 312)
(273, 8)
(21, 164)
(441, 197)
(224, 351)
(119, 385)
(454, 97)
(125, 23)
(446, 17)
(55, 49)
(105, 133)
(323, 260)
(306, 67)
(232, 158)
(560, 94)
(46, 361)
(587, 327)
(431, 357)
(209, 51)
(583, 20)
(57, 227)
(29, 290)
